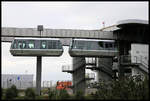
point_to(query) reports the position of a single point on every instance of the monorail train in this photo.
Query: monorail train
(36, 47)
(92, 47)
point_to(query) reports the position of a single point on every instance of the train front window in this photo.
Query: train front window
(14, 44)
(74, 44)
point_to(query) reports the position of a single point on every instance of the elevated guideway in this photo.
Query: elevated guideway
(8, 34)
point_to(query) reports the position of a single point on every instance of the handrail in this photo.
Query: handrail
(141, 61)
(106, 66)
(90, 60)
(138, 60)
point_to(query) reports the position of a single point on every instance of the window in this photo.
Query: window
(23, 45)
(14, 45)
(58, 44)
(19, 44)
(54, 44)
(49, 44)
(100, 44)
(81, 44)
(108, 45)
(88, 45)
(31, 44)
(74, 44)
(43, 44)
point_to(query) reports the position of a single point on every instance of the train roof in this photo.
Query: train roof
(94, 40)
(38, 38)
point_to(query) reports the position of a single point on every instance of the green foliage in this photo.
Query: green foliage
(29, 93)
(124, 89)
(63, 94)
(11, 93)
(58, 94)
(52, 94)
(79, 95)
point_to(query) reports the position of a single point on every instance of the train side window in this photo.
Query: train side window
(19, 44)
(31, 44)
(43, 44)
(100, 44)
(108, 45)
(54, 44)
(49, 44)
(23, 44)
(81, 44)
(88, 45)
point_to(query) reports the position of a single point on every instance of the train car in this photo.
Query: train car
(92, 48)
(36, 47)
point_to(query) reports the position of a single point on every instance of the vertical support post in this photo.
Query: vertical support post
(78, 75)
(38, 75)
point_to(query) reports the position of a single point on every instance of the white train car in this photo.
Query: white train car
(36, 47)
(92, 48)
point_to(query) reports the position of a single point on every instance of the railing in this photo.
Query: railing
(138, 59)
(66, 68)
(90, 75)
(106, 68)
(125, 59)
(90, 61)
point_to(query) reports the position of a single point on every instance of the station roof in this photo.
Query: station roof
(132, 23)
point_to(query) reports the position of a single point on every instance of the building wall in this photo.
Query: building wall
(20, 81)
(139, 52)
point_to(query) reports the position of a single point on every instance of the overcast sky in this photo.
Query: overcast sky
(61, 15)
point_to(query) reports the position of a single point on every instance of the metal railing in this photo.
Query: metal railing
(125, 59)
(90, 61)
(90, 75)
(138, 59)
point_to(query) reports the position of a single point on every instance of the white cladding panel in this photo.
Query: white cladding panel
(139, 53)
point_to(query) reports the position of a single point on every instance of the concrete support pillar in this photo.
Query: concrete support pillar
(123, 48)
(38, 75)
(104, 72)
(78, 74)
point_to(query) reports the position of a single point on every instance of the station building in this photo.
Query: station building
(21, 81)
